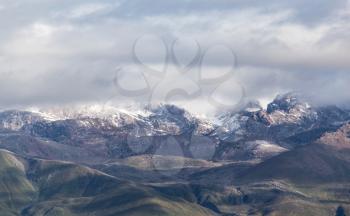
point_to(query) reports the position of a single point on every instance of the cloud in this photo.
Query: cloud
(69, 52)
(84, 11)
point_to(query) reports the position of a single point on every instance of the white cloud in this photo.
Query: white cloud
(45, 49)
(89, 9)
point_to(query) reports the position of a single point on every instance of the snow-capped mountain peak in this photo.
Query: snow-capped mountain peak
(287, 102)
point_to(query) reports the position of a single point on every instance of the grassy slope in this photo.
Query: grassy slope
(39, 187)
(312, 164)
(15, 189)
(311, 180)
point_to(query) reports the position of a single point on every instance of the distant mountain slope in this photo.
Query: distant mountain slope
(103, 134)
(339, 139)
(94, 134)
(286, 116)
(305, 165)
(326, 161)
(289, 121)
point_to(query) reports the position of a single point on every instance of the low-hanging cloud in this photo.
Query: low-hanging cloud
(54, 52)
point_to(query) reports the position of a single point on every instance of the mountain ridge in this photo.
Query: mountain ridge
(115, 133)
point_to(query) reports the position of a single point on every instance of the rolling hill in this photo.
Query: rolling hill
(40, 187)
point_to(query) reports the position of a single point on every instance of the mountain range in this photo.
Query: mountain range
(292, 158)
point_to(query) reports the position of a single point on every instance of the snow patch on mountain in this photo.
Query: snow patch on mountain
(264, 149)
(15, 120)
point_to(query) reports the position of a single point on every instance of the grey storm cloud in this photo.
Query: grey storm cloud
(60, 51)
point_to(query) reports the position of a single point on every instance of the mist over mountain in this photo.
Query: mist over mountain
(174, 108)
(69, 53)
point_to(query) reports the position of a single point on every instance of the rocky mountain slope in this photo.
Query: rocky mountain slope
(288, 121)
(285, 117)
(99, 134)
(95, 134)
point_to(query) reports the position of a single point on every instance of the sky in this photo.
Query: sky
(206, 55)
